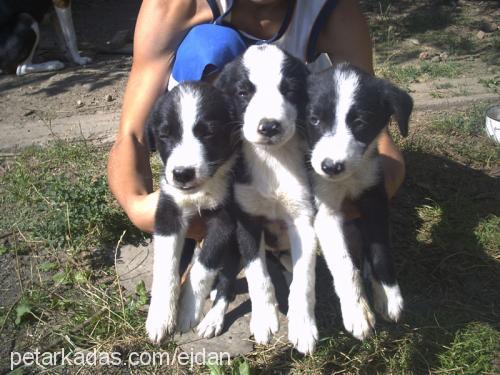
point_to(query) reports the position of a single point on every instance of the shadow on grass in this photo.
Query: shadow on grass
(444, 241)
(444, 238)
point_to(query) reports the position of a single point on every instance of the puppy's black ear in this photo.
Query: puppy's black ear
(153, 122)
(225, 79)
(400, 104)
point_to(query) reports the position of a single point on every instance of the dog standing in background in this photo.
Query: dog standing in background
(20, 34)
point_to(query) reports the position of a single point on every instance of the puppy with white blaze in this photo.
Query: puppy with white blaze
(347, 111)
(269, 88)
(194, 128)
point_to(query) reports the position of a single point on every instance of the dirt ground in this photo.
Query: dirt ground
(86, 101)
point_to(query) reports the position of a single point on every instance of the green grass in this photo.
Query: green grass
(422, 71)
(470, 123)
(472, 350)
(60, 196)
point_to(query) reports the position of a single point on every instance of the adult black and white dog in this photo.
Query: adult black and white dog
(348, 110)
(194, 128)
(269, 88)
(20, 34)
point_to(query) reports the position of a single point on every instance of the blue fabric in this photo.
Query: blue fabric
(206, 49)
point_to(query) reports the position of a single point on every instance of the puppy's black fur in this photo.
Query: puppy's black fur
(205, 191)
(367, 112)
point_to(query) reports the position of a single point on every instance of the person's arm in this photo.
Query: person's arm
(161, 26)
(346, 38)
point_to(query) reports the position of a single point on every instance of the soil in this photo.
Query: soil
(85, 101)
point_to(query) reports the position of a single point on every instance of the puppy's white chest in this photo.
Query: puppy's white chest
(333, 193)
(211, 197)
(279, 187)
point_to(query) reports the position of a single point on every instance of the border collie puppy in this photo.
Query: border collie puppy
(348, 109)
(194, 128)
(269, 88)
(19, 34)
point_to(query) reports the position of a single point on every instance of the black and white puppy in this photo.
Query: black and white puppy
(194, 128)
(20, 34)
(269, 88)
(348, 110)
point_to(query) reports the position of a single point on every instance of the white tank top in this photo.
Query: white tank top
(307, 20)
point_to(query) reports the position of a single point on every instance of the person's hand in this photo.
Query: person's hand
(197, 228)
(141, 210)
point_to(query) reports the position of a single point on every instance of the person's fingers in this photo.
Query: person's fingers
(197, 228)
(393, 164)
(350, 209)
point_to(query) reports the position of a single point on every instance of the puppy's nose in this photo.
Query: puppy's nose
(332, 168)
(268, 128)
(183, 175)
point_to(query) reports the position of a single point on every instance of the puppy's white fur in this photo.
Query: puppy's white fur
(279, 190)
(361, 172)
(162, 313)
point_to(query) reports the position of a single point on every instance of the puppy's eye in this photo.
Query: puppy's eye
(243, 93)
(165, 133)
(314, 121)
(359, 123)
(207, 129)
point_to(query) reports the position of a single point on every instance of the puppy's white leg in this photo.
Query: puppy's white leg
(28, 67)
(194, 293)
(68, 31)
(264, 321)
(302, 330)
(213, 322)
(356, 313)
(162, 312)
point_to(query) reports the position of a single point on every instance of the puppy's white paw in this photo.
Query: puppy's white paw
(190, 309)
(264, 323)
(212, 324)
(160, 321)
(358, 319)
(302, 331)
(82, 60)
(387, 300)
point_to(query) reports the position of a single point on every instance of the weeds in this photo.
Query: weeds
(423, 71)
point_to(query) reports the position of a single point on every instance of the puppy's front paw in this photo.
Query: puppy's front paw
(212, 324)
(264, 323)
(358, 319)
(388, 301)
(160, 321)
(82, 60)
(302, 331)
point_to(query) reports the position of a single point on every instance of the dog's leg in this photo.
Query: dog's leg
(63, 11)
(387, 298)
(356, 313)
(213, 322)
(220, 229)
(168, 242)
(302, 330)
(28, 67)
(264, 321)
